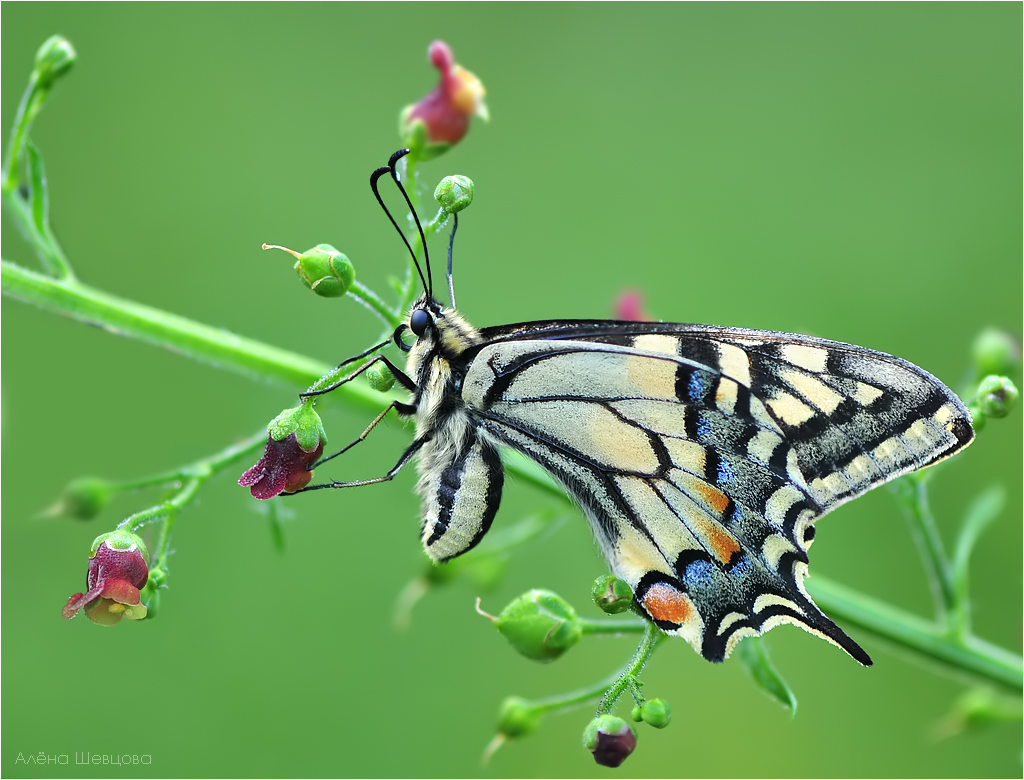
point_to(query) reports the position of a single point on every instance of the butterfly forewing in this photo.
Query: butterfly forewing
(703, 456)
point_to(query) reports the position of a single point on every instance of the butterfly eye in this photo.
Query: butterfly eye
(418, 322)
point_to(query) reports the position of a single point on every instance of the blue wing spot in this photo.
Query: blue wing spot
(697, 570)
(704, 429)
(739, 566)
(699, 386)
(725, 472)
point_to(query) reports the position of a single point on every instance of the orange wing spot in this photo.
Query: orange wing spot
(664, 602)
(716, 499)
(719, 541)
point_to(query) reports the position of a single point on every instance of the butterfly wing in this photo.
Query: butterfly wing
(703, 456)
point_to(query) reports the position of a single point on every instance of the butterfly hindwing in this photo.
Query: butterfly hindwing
(702, 456)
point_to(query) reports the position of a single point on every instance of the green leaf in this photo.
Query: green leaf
(980, 514)
(40, 198)
(754, 657)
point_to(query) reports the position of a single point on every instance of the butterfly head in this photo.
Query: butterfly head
(436, 329)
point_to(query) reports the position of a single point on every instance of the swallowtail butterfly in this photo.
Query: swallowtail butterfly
(701, 456)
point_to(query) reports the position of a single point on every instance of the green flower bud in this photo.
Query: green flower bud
(380, 377)
(517, 718)
(540, 625)
(54, 58)
(83, 499)
(996, 396)
(656, 712)
(301, 420)
(611, 594)
(454, 193)
(610, 739)
(995, 352)
(323, 269)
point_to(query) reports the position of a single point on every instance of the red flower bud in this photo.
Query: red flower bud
(118, 568)
(610, 739)
(284, 468)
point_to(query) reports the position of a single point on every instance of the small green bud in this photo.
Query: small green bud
(301, 420)
(380, 377)
(120, 541)
(612, 595)
(454, 193)
(996, 396)
(540, 625)
(83, 499)
(995, 352)
(610, 739)
(54, 58)
(517, 718)
(323, 269)
(655, 712)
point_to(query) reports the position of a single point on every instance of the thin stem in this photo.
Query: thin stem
(612, 626)
(27, 109)
(972, 657)
(652, 636)
(45, 244)
(373, 302)
(913, 497)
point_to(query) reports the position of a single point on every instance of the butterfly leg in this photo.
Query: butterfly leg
(403, 409)
(400, 376)
(411, 450)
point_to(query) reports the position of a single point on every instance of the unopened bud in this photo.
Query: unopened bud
(517, 718)
(655, 712)
(83, 499)
(610, 739)
(611, 594)
(540, 625)
(454, 193)
(995, 352)
(55, 58)
(996, 396)
(323, 269)
(380, 378)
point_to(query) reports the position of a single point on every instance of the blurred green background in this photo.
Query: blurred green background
(846, 170)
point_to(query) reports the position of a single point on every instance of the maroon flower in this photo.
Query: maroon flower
(118, 568)
(610, 739)
(284, 468)
(445, 111)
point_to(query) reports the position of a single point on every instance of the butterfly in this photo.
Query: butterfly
(701, 456)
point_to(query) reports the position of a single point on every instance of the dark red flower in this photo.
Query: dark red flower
(284, 468)
(446, 110)
(118, 568)
(610, 739)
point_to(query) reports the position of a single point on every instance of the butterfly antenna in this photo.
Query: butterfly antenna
(390, 168)
(451, 243)
(393, 165)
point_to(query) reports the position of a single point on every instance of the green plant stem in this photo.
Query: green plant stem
(650, 640)
(612, 626)
(973, 657)
(178, 334)
(911, 491)
(374, 303)
(31, 102)
(190, 479)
